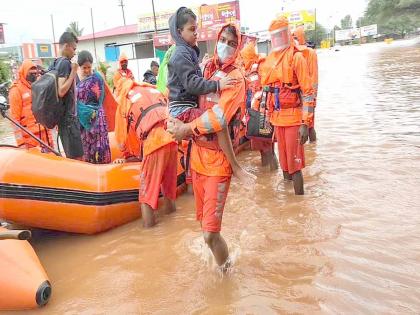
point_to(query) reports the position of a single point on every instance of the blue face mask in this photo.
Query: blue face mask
(224, 51)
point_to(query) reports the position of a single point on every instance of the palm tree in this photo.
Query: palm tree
(74, 28)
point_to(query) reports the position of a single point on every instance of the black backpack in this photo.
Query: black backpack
(47, 106)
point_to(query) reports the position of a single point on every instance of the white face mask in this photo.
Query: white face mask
(224, 51)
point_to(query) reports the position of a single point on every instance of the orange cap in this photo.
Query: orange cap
(123, 57)
(279, 23)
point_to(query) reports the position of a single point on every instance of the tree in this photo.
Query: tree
(4, 72)
(74, 28)
(321, 33)
(346, 22)
(396, 16)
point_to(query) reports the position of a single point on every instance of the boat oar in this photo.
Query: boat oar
(15, 235)
(4, 107)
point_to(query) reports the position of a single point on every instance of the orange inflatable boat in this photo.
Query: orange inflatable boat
(23, 281)
(51, 192)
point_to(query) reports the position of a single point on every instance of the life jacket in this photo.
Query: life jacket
(208, 101)
(253, 79)
(283, 95)
(148, 109)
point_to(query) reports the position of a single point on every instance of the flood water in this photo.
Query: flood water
(351, 245)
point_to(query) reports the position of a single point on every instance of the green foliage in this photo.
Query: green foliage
(74, 28)
(393, 16)
(321, 33)
(346, 22)
(4, 72)
(103, 67)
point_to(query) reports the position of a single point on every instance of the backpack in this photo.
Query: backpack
(47, 106)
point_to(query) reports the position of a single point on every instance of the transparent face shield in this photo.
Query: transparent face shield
(280, 39)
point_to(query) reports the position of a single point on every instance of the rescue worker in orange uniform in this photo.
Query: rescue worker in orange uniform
(312, 60)
(252, 63)
(287, 89)
(141, 114)
(211, 170)
(20, 98)
(122, 73)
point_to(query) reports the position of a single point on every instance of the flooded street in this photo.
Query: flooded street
(351, 245)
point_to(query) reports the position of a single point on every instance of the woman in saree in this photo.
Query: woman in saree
(90, 98)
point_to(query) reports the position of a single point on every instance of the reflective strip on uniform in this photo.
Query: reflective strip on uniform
(308, 98)
(219, 115)
(213, 97)
(135, 97)
(206, 122)
(220, 74)
(308, 109)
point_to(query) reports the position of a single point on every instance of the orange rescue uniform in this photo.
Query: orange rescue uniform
(146, 137)
(252, 63)
(291, 98)
(20, 98)
(312, 61)
(211, 171)
(121, 74)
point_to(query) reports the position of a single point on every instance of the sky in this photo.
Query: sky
(29, 20)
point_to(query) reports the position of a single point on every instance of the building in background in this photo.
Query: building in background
(142, 43)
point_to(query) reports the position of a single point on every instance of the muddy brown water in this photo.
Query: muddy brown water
(351, 245)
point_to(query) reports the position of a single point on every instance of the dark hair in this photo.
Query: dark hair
(68, 38)
(84, 56)
(183, 15)
(232, 30)
(154, 64)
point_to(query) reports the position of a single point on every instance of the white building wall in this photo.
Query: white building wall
(137, 66)
(101, 42)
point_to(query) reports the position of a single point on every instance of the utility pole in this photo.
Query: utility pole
(315, 28)
(154, 15)
(122, 5)
(53, 31)
(93, 32)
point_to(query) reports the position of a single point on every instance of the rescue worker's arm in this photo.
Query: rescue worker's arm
(15, 100)
(313, 69)
(218, 117)
(116, 78)
(185, 68)
(300, 67)
(64, 84)
(131, 75)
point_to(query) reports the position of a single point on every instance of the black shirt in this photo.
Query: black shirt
(63, 71)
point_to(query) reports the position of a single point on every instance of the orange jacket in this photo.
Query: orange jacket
(252, 62)
(20, 98)
(207, 161)
(311, 58)
(138, 135)
(288, 69)
(121, 74)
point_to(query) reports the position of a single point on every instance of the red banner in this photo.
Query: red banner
(210, 19)
(162, 40)
(216, 15)
(1, 34)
